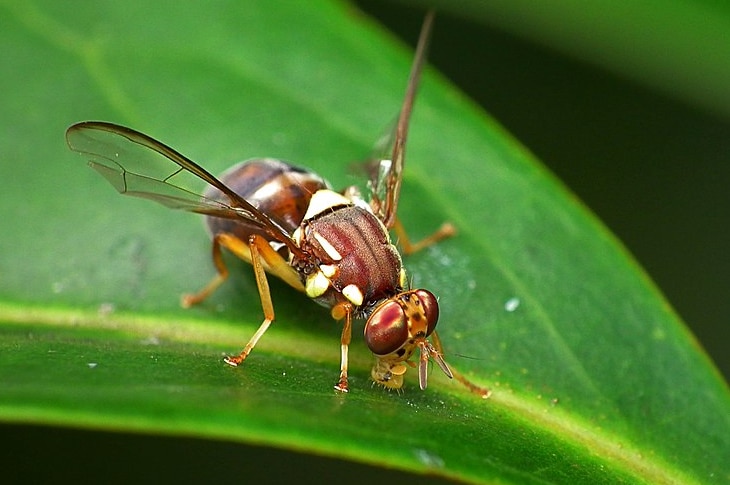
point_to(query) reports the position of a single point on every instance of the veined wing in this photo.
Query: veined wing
(140, 166)
(386, 174)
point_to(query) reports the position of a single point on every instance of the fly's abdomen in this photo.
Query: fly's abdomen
(278, 189)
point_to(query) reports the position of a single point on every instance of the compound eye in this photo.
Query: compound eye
(387, 329)
(430, 306)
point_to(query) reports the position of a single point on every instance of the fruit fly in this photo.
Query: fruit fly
(287, 221)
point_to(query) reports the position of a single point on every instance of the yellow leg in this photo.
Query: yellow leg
(257, 245)
(482, 392)
(263, 258)
(189, 299)
(340, 311)
(446, 230)
(272, 262)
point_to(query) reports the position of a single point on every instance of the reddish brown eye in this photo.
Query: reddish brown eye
(386, 329)
(430, 308)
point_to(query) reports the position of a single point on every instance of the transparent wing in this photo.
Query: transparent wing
(377, 166)
(386, 173)
(140, 166)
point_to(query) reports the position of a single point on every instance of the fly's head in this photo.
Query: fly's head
(393, 332)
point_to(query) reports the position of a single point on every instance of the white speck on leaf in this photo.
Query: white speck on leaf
(512, 304)
(429, 459)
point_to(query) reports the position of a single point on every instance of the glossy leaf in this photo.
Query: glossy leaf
(595, 380)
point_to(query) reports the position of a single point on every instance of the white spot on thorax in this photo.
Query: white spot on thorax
(327, 246)
(353, 294)
(316, 284)
(322, 200)
(328, 270)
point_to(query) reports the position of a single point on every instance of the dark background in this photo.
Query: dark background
(655, 170)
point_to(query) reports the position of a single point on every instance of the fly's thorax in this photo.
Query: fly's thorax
(352, 259)
(278, 189)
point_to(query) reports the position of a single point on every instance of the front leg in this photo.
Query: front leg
(482, 392)
(340, 311)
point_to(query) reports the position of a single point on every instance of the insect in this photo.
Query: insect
(333, 246)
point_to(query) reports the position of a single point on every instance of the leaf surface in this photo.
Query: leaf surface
(594, 378)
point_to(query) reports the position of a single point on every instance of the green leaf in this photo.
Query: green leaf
(594, 378)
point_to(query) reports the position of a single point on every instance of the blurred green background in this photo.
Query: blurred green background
(654, 167)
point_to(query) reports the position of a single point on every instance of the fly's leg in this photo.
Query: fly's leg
(263, 258)
(260, 251)
(340, 311)
(219, 240)
(482, 392)
(272, 262)
(446, 230)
